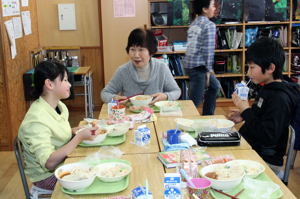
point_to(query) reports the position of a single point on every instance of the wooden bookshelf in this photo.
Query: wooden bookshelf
(181, 77)
(241, 51)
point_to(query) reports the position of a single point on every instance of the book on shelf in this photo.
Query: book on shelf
(171, 159)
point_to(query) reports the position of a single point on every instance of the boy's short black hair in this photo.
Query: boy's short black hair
(198, 6)
(265, 51)
(142, 38)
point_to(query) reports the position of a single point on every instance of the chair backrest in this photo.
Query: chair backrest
(20, 161)
(289, 159)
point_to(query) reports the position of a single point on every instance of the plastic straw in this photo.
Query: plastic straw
(188, 179)
(248, 82)
(147, 188)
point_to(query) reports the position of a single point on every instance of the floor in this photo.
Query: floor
(11, 186)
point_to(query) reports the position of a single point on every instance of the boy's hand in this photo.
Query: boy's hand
(158, 97)
(235, 116)
(241, 104)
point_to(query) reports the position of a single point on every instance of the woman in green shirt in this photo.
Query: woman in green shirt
(45, 132)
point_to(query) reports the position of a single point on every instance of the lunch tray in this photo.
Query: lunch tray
(244, 194)
(108, 141)
(153, 107)
(99, 187)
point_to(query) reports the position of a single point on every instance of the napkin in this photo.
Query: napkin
(259, 189)
(175, 147)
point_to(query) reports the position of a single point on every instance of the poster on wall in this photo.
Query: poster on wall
(124, 8)
(11, 35)
(17, 27)
(26, 22)
(24, 3)
(10, 7)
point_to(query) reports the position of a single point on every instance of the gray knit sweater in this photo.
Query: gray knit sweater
(126, 82)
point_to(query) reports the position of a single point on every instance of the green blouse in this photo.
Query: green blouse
(42, 132)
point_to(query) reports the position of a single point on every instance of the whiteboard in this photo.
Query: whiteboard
(66, 16)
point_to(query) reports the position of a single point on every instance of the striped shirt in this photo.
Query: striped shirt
(200, 43)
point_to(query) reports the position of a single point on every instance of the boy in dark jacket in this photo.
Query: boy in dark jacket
(266, 122)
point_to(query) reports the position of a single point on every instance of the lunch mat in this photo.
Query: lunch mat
(245, 194)
(99, 187)
(108, 141)
(153, 107)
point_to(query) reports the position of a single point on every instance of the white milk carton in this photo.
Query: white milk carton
(172, 186)
(140, 193)
(242, 90)
(142, 135)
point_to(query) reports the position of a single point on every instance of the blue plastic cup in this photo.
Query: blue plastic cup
(173, 136)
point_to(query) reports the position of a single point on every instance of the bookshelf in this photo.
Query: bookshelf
(242, 27)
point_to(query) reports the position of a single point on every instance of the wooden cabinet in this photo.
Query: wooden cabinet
(240, 52)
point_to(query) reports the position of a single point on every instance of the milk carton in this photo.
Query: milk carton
(140, 193)
(242, 90)
(142, 135)
(172, 186)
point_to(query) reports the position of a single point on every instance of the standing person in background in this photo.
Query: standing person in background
(200, 57)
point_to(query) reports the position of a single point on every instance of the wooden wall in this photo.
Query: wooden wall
(87, 21)
(12, 102)
(86, 36)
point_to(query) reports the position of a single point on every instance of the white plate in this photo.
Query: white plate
(107, 171)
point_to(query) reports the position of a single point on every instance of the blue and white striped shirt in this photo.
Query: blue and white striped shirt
(200, 43)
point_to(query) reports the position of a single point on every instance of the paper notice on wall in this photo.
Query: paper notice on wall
(11, 35)
(124, 8)
(17, 27)
(24, 3)
(10, 7)
(26, 22)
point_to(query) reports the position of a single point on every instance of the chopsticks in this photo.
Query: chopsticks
(241, 191)
(121, 100)
(230, 196)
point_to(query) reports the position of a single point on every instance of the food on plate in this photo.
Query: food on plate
(143, 97)
(226, 172)
(252, 168)
(64, 173)
(119, 106)
(141, 100)
(115, 171)
(212, 175)
(76, 174)
(112, 171)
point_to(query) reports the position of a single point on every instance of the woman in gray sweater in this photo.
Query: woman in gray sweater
(142, 74)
